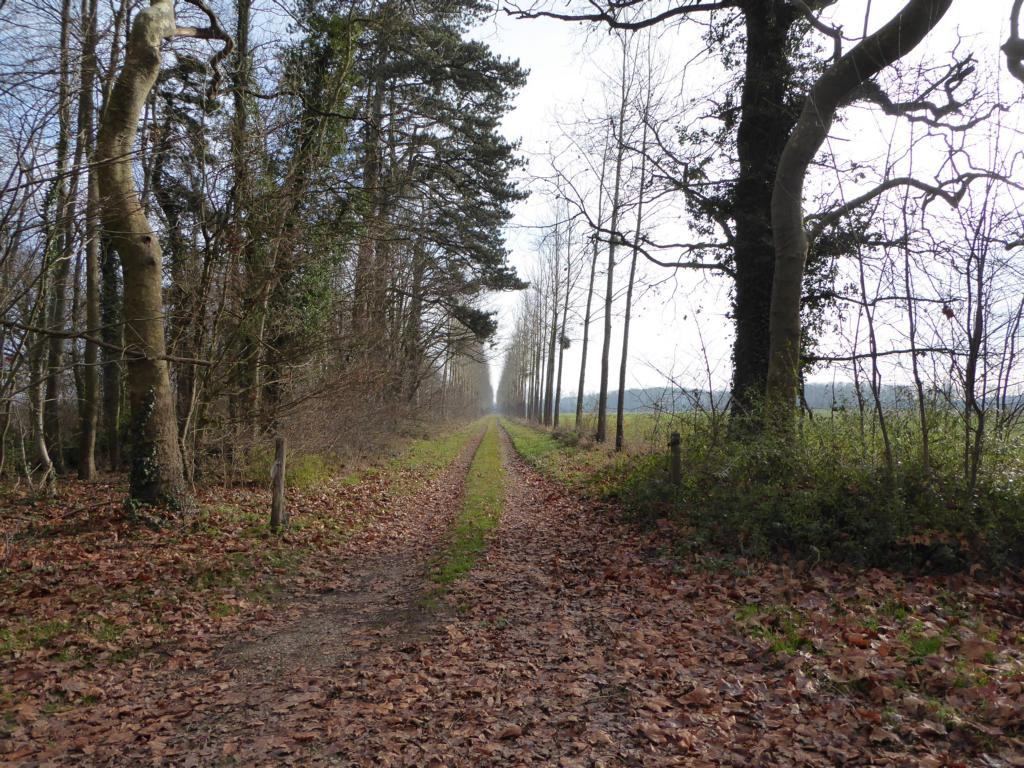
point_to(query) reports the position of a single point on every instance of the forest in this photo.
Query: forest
(531, 382)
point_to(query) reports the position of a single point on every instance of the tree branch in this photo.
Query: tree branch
(608, 14)
(884, 353)
(836, 33)
(1014, 47)
(213, 32)
(954, 77)
(99, 342)
(953, 199)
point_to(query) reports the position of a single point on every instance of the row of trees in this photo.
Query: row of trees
(615, 153)
(857, 283)
(244, 225)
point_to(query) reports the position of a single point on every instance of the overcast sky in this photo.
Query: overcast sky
(686, 314)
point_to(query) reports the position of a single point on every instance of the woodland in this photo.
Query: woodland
(261, 504)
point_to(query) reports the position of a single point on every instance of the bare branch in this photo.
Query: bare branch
(836, 33)
(932, 191)
(885, 353)
(213, 32)
(953, 78)
(99, 342)
(609, 14)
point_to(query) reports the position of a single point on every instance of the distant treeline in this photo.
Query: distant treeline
(817, 396)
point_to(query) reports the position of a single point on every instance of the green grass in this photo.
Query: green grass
(483, 499)
(422, 458)
(436, 451)
(578, 464)
(919, 645)
(640, 431)
(780, 626)
(27, 635)
(593, 470)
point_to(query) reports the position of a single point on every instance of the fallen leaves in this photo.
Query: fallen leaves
(510, 731)
(108, 631)
(574, 641)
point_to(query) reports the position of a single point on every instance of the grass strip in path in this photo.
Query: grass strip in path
(482, 501)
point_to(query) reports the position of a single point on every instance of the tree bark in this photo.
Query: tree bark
(833, 88)
(563, 340)
(549, 384)
(65, 227)
(251, 327)
(112, 334)
(156, 468)
(90, 406)
(766, 120)
(363, 297)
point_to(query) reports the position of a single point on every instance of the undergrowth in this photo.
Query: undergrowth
(302, 470)
(826, 494)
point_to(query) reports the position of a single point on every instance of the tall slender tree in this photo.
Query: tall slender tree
(619, 127)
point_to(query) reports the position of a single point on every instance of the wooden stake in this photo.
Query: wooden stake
(676, 468)
(278, 511)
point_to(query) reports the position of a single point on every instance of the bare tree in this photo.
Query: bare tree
(595, 252)
(645, 117)
(618, 129)
(91, 373)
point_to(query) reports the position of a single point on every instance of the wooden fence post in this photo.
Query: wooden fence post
(278, 511)
(676, 467)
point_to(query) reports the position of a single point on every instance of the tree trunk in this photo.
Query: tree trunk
(586, 338)
(363, 291)
(765, 122)
(412, 352)
(915, 366)
(247, 373)
(835, 86)
(110, 295)
(65, 227)
(38, 409)
(549, 385)
(112, 333)
(562, 340)
(620, 410)
(91, 404)
(541, 357)
(156, 468)
(602, 396)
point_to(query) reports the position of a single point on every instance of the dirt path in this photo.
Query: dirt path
(575, 645)
(571, 643)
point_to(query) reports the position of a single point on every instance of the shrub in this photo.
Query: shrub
(826, 494)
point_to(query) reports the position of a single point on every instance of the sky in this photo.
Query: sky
(680, 329)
